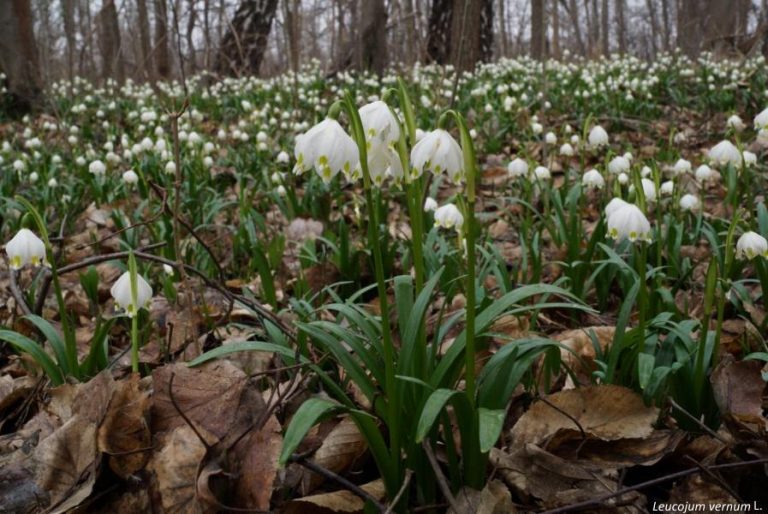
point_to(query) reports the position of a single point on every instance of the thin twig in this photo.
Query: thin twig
(18, 295)
(441, 480)
(396, 500)
(701, 425)
(714, 476)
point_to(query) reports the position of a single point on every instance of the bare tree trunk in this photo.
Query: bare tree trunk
(654, 25)
(293, 31)
(373, 37)
(621, 27)
(191, 21)
(605, 34)
(689, 27)
(87, 52)
(243, 46)
(720, 25)
(439, 38)
(18, 58)
(667, 25)
(537, 29)
(162, 43)
(144, 38)
(109, 36)
(555, 29)
(68, 17)
(207, 34)
(573, 13)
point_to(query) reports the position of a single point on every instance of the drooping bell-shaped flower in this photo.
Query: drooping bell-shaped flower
(379, 122)
(25, 248)
(598, 137)
(618, 164)
(593, 179)
(681, 167)
(449, 216)
(736, 123)
(439, 153)
(328, 149)
(97, 168)
(689, 202)
(383, 162)
(750, 245)
(430, 204)
(517, 168)
(121, 292)
(704, 173)
(613, 206)
(628, 222)
(761, 120)
(725, 153)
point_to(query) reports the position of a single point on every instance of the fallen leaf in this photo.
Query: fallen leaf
(493, 499)
(738, 389)
(338, 501)
(340, 449)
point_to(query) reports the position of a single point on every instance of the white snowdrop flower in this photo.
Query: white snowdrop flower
(550, 138)
(623, 179)
(121, 292)
(261, 137)
(649, 189)
(283, 157)
(575, 140)
(52, 182)
(750, 158)
(593, 179)
(762, 137)
(281, 191)
(167, 269)
(207, 161)
(420, 134)
(750, 245)
(725, 153)
(430, 204)
(735, 122)
(25, 248)
(704, 173)
(170, 167)
(627, 221)
(542, 173)
(97, 168)
(328, 149)
(682, 166)
(667, 188)
(383, 161)
(19, 166)
(262, 147)
(761, 120)
(130, 177)
(112, 158)
(646, 172)
(680, 138)
(439, 153)
(598, 137)
(449, 216)
(689, 202)
(628, 156)
(517, 168)
(379, 122)
(566, 150)
(80, 161)
(473, 133)
(33, 177)
(537, 128)
(618, 165)
(276, 177)
(72, 140)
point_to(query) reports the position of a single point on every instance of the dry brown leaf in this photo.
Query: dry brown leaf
(340, 449)
(581, 357)
(493, 499)
(738, 388)
(125, 431)
(258, 454)
(175, 467)
(13, 389)
(604, 412)
(338, 501)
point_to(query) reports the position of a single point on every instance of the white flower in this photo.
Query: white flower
(19, 166)
(52, 182)
(762, 137)
(628, 221)
(618, 165)
(735, 122)
(704, 173)
(33, 177)
(168, 269)
(542, 173)
(566, 150)
(438, 152)
(682, 166)
(326, 148)
(667, 188)
(25, 248)
(646, 172)
(613, 205)
(761, 120)
(281, 190)
(261, 137)
(283, 157)
(449, 216)
(689, 202)
(97, 168)
(379, 122)
(724, 153)
(537, 128)
(598, 137)
(121, 292)
(383, 162)
(749, 158)
(623, 179)
(170, 167)
(751, 244)
(430, 204)
(517, 168)
(593, 179)
(550, 138)
(130, 177)
(649, 189)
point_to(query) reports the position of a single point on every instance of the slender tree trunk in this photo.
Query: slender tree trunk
(537, 29)
(293, 31)
(191, 22)
(621, 27)
(555, 29)
(109, 34)
(573, 13)
(439, 38)
(243, 46)
(18, 58)
(605, 34)
(162, 43)
(373, 36)
(145, 64)
(68, 17)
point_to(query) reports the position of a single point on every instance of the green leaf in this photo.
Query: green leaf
(645, 364)
(491, 424)
(435, 405)
(27, 345)
(54, 339)
(310, 413)
(246, 346)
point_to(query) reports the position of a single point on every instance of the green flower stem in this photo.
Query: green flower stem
(135, 308)
(642, 298)
(390, 386)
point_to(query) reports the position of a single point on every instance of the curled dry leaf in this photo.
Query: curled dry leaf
(340, 449)
(336, 502)
(493, 499)
(738, 389)
(604, 412)
(257, 454)
(125, 434)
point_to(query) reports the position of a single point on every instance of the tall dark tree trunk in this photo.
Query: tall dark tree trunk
(145, 64)
(373, 37)
(109, 37)
(68, 17)
(191, 21)
(555, 29)
(472, 33)
(439, 37)
(18, 57)
(537, 29)
(621, 27)
(605, 34)
(162, 43)
(293, 31)
(242, 48)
